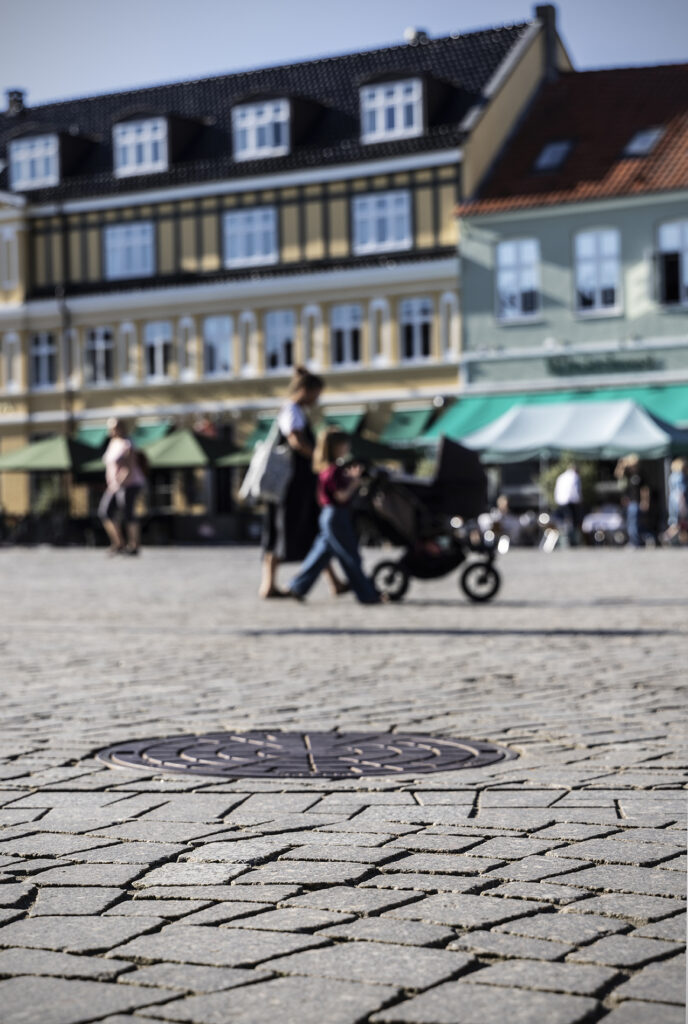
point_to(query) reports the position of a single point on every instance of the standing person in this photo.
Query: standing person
(677, 505)
(124, 479)
(290, 527)
(627, 472)
(568, 496)
(337, 485)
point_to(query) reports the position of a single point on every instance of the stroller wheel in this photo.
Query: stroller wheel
(391, 579)
(480, 581)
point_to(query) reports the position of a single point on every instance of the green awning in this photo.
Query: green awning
(234, 459)
(476, 411)
(406, 425)
(95, 435)
(348, 420)
(184, 449)
(51, 455)
(146, 433)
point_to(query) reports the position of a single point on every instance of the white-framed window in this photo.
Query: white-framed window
(280, 328)
(43, 360)
(11, 353)
(598, 270)
(129, 250)
(34, 162)
(643, 142)
(251, 237)
(157, 344)
(99, 356)
(382, 222)
(218, 335)
(673, 263)
(518, 279)
(9, 259)
(345, 330)
(261, 129)
(415, 323)
(140, 147)
(392, 110)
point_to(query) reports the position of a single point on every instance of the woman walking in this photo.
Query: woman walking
(290, 527)
(337, 485)
(124, 480)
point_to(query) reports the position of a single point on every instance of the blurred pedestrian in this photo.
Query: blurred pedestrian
(124, 480)
(677, 503)
(568, 496)
(627, 472)
(290, 527)
(338, 482)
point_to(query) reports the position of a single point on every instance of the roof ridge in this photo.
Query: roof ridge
(310, 61)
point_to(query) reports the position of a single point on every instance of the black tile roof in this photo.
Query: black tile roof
(467, 62)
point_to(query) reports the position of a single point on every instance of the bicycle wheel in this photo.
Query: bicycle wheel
(391, 579)
(480, 581)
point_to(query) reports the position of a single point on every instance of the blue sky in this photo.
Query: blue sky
(57, 49)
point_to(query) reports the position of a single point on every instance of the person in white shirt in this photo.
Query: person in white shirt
(124, 479)
(568, 496)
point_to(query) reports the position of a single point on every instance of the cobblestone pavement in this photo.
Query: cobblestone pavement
(548, 888)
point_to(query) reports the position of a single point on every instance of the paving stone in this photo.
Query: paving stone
(663, 982)
(443, 863)
(129, 853)
(512, 847)
(190, 874)
(519, 797)
(459, 1003)
(305, 873)
(155, 908)
(217, 947)
(260, 893)
(75, 934)
(12, 893)
(623, 951)
(519, 947)
(162, 831)
(77, 899)
(349, 900)
(569, 928)
(612, 851)
(673, 929)
(642, 1013)
(287, 919)
(196, 807)
(620, 878)
(59, 965)
(383, 929)
(193, 978)
(89, 875)
(637, 909)
(42, 844)
(251, 851)
(543, 891)
(316, 837)
(60, 1001)
(273, 804)
(359, 854)
(576, 830)
(374, 964)
(575, 979)
(433, 844)
(464, 911)
(218, 913)
(532, 869)
(306, 1000)
(426, 883)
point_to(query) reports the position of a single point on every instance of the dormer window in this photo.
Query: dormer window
(34, 162)
(261, 129)
(392, 110)
(552, 155)
(643, 142)
(140, 146)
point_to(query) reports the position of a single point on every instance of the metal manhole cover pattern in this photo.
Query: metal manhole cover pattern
(296, 755)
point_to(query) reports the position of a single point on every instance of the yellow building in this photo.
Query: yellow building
(173, 251)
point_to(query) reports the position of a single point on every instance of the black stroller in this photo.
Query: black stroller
(434, 521)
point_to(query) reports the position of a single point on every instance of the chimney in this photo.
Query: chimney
(15, 101)
(547, 16)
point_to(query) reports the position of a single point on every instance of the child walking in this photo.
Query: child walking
(337, 485)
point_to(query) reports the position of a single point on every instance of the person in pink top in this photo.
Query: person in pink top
(125, 480)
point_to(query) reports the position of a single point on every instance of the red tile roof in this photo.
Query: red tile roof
(599, 111)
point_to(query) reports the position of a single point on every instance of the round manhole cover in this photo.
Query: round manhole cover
(297, 755)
